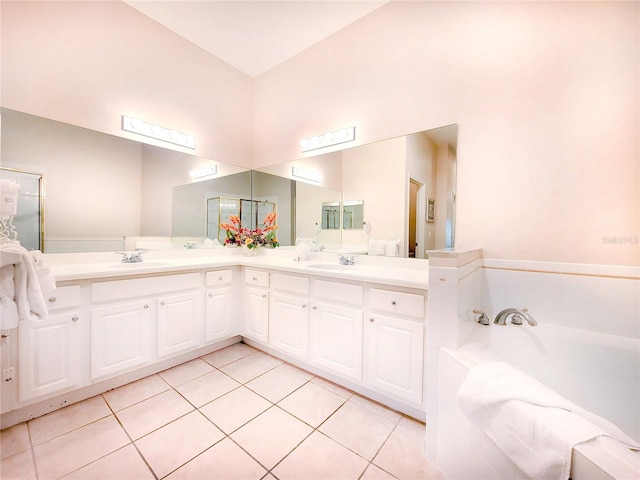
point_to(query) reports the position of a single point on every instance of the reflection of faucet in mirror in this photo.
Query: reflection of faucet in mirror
(134, 257)
(343, 260)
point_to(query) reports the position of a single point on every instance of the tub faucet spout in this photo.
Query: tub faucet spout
(516, 317)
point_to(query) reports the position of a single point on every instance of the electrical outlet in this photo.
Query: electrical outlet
(7, 374)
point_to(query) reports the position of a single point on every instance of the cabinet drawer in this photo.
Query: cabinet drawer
(291, 284)
(398, 303)
(219, 277)
(143, 287)
(63, 297)
(339, 292)
(256, 278)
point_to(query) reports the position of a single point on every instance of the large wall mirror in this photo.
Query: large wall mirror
(399, 191)
(100, 191)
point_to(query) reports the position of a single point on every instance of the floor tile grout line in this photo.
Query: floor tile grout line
(133, 443)
(33, 452)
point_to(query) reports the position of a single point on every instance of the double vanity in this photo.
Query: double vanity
(361, 326)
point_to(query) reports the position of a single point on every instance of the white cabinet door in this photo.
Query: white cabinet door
(336, 339)
(256, 314)
(49, 355)
(394, 356)
(218, 311)
(121, 337)
(289, 325)
(179, 323)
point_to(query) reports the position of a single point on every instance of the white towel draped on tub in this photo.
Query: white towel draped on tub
(535, 426)
(22, 284)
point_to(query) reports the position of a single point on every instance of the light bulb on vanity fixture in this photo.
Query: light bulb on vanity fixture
(135, 125)
(310, 175)
(203, 173)
(328, 139)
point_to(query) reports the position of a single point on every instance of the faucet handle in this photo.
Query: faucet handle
(124, 255)
(483, 319)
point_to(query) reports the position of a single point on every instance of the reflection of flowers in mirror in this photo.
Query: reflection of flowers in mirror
(264, 235)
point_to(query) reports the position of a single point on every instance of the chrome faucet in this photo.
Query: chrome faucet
(346, 260)
(134, 257)
(483, 319)
(516, 318)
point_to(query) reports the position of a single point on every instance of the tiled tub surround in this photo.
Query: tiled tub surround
(587, 340)
(235, 413)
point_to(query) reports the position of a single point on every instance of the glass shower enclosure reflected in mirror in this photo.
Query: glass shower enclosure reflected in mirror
(353, 215)
(330, 216)
(28, 222)
(250, 212)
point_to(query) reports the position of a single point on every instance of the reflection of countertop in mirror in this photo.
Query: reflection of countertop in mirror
(388, 271)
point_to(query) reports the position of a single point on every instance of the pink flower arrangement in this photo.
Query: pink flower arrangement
(239, 235)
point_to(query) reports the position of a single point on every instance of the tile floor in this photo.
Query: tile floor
(237, 413)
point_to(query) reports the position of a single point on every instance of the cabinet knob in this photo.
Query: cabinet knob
(304, 305)
(394, 303)
(146, 306)
(220, 278)
(52, 299)
(162, 303)
(315, 307)
(74, 318)
(211, 294)
(264, 296)
(255, 279)
(371, 320)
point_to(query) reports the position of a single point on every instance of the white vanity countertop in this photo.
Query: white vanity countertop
(399, 276)
(394, 272)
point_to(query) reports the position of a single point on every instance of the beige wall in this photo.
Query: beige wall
(545, 95)
(87, 63)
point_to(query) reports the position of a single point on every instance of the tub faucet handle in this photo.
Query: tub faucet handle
(483, 319)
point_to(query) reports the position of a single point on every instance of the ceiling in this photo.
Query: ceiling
(255, 36)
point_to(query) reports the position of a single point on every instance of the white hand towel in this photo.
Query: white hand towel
(391, 248)
(8, 307)
(372, 247)
(376, 247)
(43, 271)
(28, 293)
(535, 426)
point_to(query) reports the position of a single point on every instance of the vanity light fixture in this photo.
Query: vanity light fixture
(341, 135)
(135, 125)
(310, 175)
(204, 172)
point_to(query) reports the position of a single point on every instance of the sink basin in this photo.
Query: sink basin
(331, 266)
(139, 265)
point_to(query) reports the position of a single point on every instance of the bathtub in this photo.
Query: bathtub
(599, 372)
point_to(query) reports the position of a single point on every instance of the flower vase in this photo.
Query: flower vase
(248, 252)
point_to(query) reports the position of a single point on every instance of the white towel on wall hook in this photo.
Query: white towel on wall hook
(391, 248)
